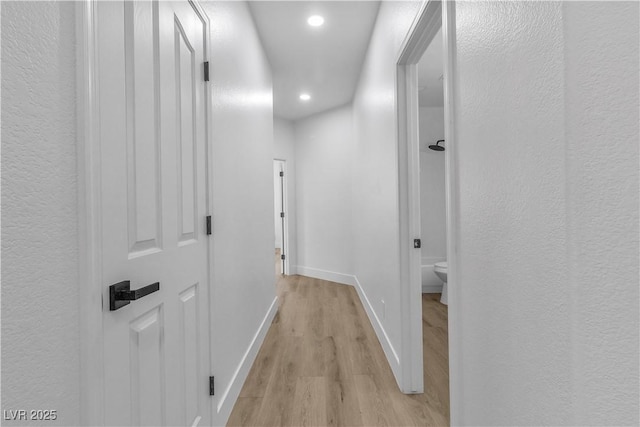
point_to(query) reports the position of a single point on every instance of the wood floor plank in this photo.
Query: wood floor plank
(315, 317)
(358, 338)
(414, 410)
(321, 364)
(262, 369)
(377, 407)
(247, 412)
(309, 402)
(343, 407)
(276, 408)
(436, 357)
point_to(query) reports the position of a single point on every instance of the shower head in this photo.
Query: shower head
(437, 147)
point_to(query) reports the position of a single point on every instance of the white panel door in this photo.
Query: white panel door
(151, 94)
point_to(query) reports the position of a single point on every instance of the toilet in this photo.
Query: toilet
(440, 269)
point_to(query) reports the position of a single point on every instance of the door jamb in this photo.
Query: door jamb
(208, 122)
(89, 218)
(432, 15)
(285, 231)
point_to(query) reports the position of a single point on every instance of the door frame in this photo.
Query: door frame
(91, 290)
(285, 227)
(433, 15)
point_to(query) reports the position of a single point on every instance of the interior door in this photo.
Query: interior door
(154, 205)
(280, 213)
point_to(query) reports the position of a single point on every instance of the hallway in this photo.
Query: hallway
(321, 364)
(138, 145)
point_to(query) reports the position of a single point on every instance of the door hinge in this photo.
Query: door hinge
(281, 214)
(206, 71)
(281, 173)
(282, 256)
(208, 224)
(417, 243)
(212, 389)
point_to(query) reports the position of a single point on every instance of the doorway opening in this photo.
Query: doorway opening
(280, 217)
(428, 207)
(433, 223)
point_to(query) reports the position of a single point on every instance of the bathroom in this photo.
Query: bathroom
(433, 222)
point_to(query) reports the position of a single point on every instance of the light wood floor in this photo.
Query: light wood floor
(322, 365)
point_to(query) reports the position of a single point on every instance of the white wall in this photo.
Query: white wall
(547, 122)
(284, 143)
(40, 320)
(433, 224)
(323, 152)
(512, 251)
(602, 153)
(375, 174)
(243, 228)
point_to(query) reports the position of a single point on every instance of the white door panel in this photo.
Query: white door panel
(154, 199)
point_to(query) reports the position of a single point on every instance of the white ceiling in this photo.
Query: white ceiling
(430, 74)
(323, 61)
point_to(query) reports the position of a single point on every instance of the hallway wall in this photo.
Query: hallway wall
(602, 96)
(40, 307)
(512, 275)
(547, 122)
(323, 195)
(243, 226)
(375, 175)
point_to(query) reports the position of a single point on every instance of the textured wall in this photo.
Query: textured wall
(547, 122)
(514, 312)
(243, 227)
(602, 142)
(375, 172)
(433, 218)
(40, 335)
(324, 144)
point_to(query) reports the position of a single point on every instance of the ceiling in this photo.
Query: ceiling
(324, 61)
(430, 69)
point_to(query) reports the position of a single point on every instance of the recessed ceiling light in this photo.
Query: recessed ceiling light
(315, 20)
(305, 97)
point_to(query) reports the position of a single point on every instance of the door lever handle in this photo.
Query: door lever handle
(121, 294)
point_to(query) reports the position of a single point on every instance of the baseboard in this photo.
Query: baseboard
(389, 350)
(431, 289)
(331, 276)
(230, 395)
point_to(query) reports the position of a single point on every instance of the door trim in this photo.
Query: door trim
(91, 292)
(89, 218)
(208, 108)
(432, 16)
(285, 228)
